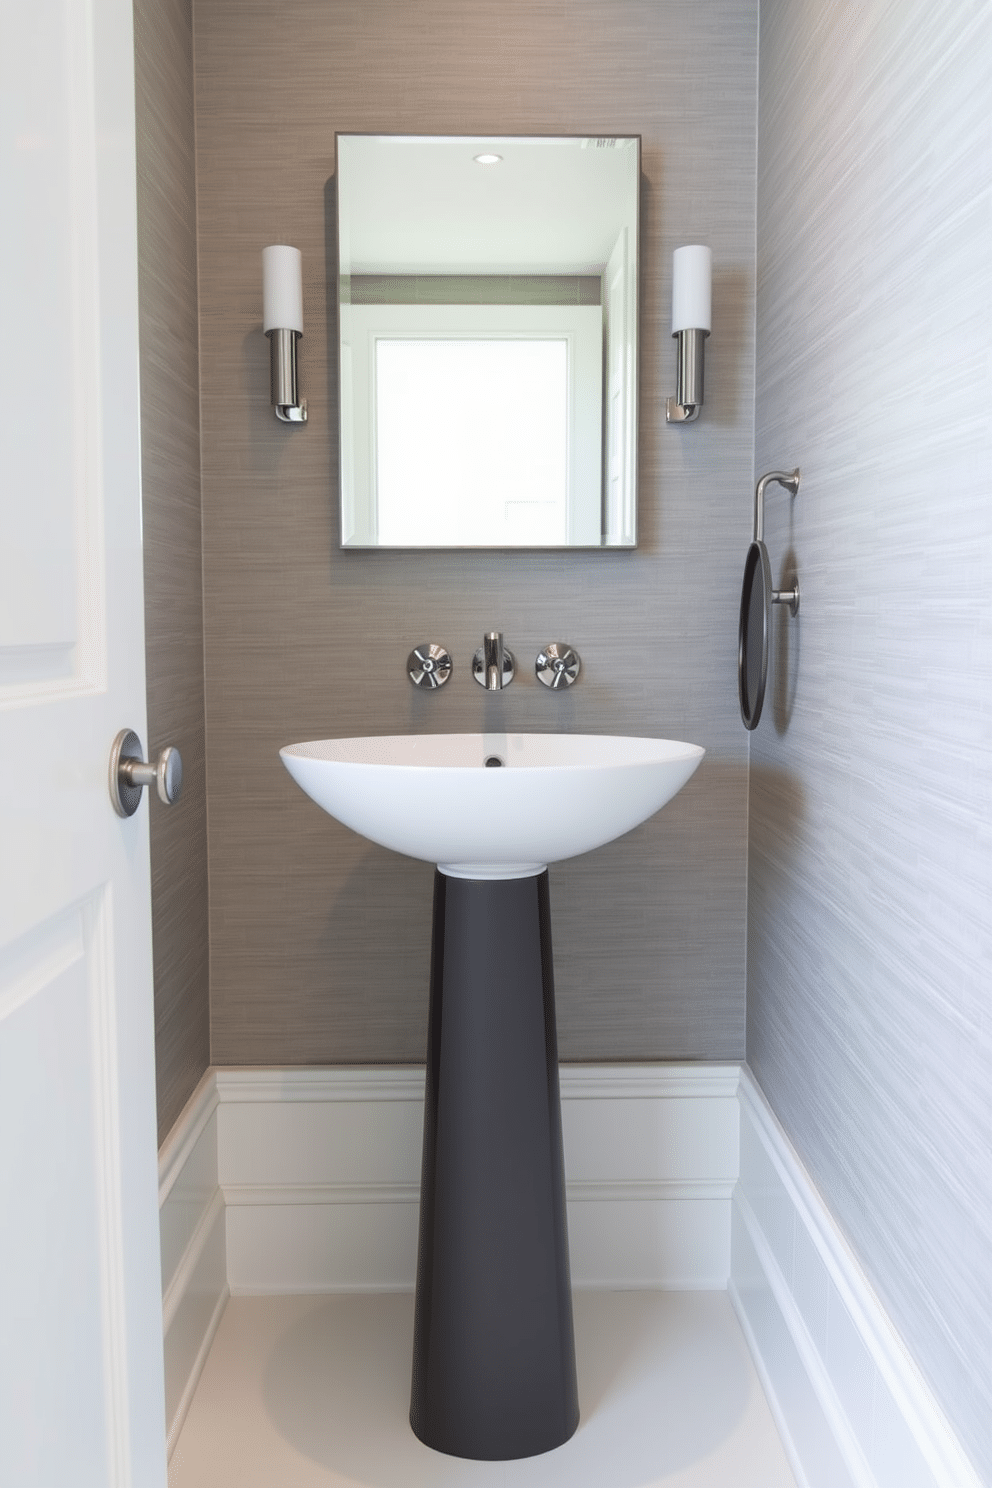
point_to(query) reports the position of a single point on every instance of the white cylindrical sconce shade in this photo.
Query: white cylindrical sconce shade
(692, 271)
(282, 289)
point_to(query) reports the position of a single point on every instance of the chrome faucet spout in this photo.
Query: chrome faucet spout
(492, 647)
(492, 664)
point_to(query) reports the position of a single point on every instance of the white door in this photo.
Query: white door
(81, 1399)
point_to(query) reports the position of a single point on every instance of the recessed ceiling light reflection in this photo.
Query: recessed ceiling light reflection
(487, 159)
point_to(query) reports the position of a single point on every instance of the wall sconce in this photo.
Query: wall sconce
(691, 281)
(282, 322)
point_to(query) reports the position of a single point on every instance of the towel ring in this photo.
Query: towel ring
(754, 632)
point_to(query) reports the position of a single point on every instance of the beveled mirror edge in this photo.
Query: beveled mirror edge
(351, 546)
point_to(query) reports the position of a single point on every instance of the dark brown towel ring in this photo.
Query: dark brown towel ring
(754, 631)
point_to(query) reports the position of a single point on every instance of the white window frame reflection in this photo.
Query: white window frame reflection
(525, 519)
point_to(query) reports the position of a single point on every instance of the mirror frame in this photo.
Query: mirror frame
(633, 435)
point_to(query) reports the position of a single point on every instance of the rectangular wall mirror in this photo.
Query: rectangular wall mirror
(487, 311)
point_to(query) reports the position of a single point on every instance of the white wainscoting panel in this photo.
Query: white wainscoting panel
(650, 1167)
(194, 1248)
(850, 1403)
(320, 1171)
(307, 1180)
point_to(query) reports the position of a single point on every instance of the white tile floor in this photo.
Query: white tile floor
(313, 1392)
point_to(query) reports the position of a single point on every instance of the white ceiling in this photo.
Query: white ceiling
(410, 204)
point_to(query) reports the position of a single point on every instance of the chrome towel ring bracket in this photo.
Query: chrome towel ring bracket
(757, 597)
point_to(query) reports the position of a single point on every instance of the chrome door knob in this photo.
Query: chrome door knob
(129, 773)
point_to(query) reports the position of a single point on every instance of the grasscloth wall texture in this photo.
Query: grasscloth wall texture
(319, 941)
(170, 475)
(869, 1022)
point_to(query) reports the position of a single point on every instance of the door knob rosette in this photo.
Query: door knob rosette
(129, 773)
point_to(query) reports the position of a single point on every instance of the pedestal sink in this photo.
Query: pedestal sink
(494, 1360)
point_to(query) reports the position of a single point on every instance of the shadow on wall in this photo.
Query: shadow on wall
(778, 810)
(732, 313)
(616, 945)
(376, 931)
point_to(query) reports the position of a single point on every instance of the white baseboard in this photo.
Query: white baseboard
(850, 1403)
(307, 1180)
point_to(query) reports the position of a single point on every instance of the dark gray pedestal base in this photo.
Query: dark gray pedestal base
(494, 1355)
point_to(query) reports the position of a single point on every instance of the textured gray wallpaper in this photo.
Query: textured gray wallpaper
(170, 473)
(319, 941)
(869, 991)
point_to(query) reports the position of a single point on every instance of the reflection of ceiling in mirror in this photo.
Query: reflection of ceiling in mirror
(550, 205)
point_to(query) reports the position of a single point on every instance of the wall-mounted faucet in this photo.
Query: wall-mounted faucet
(493, 664)
(429, 665)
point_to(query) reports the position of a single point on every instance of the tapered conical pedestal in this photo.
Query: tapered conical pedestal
(494, 1354)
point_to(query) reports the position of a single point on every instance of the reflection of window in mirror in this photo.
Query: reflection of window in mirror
(488, 341)
(471, 442)
(477, 452)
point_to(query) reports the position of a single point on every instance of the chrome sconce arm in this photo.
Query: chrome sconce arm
(289, 406)
(684, 407)
(282, 322)
(691, 318)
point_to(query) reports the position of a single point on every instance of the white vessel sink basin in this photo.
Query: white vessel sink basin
(432, 796)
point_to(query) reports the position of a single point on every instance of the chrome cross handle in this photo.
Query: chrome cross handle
(558, 664)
